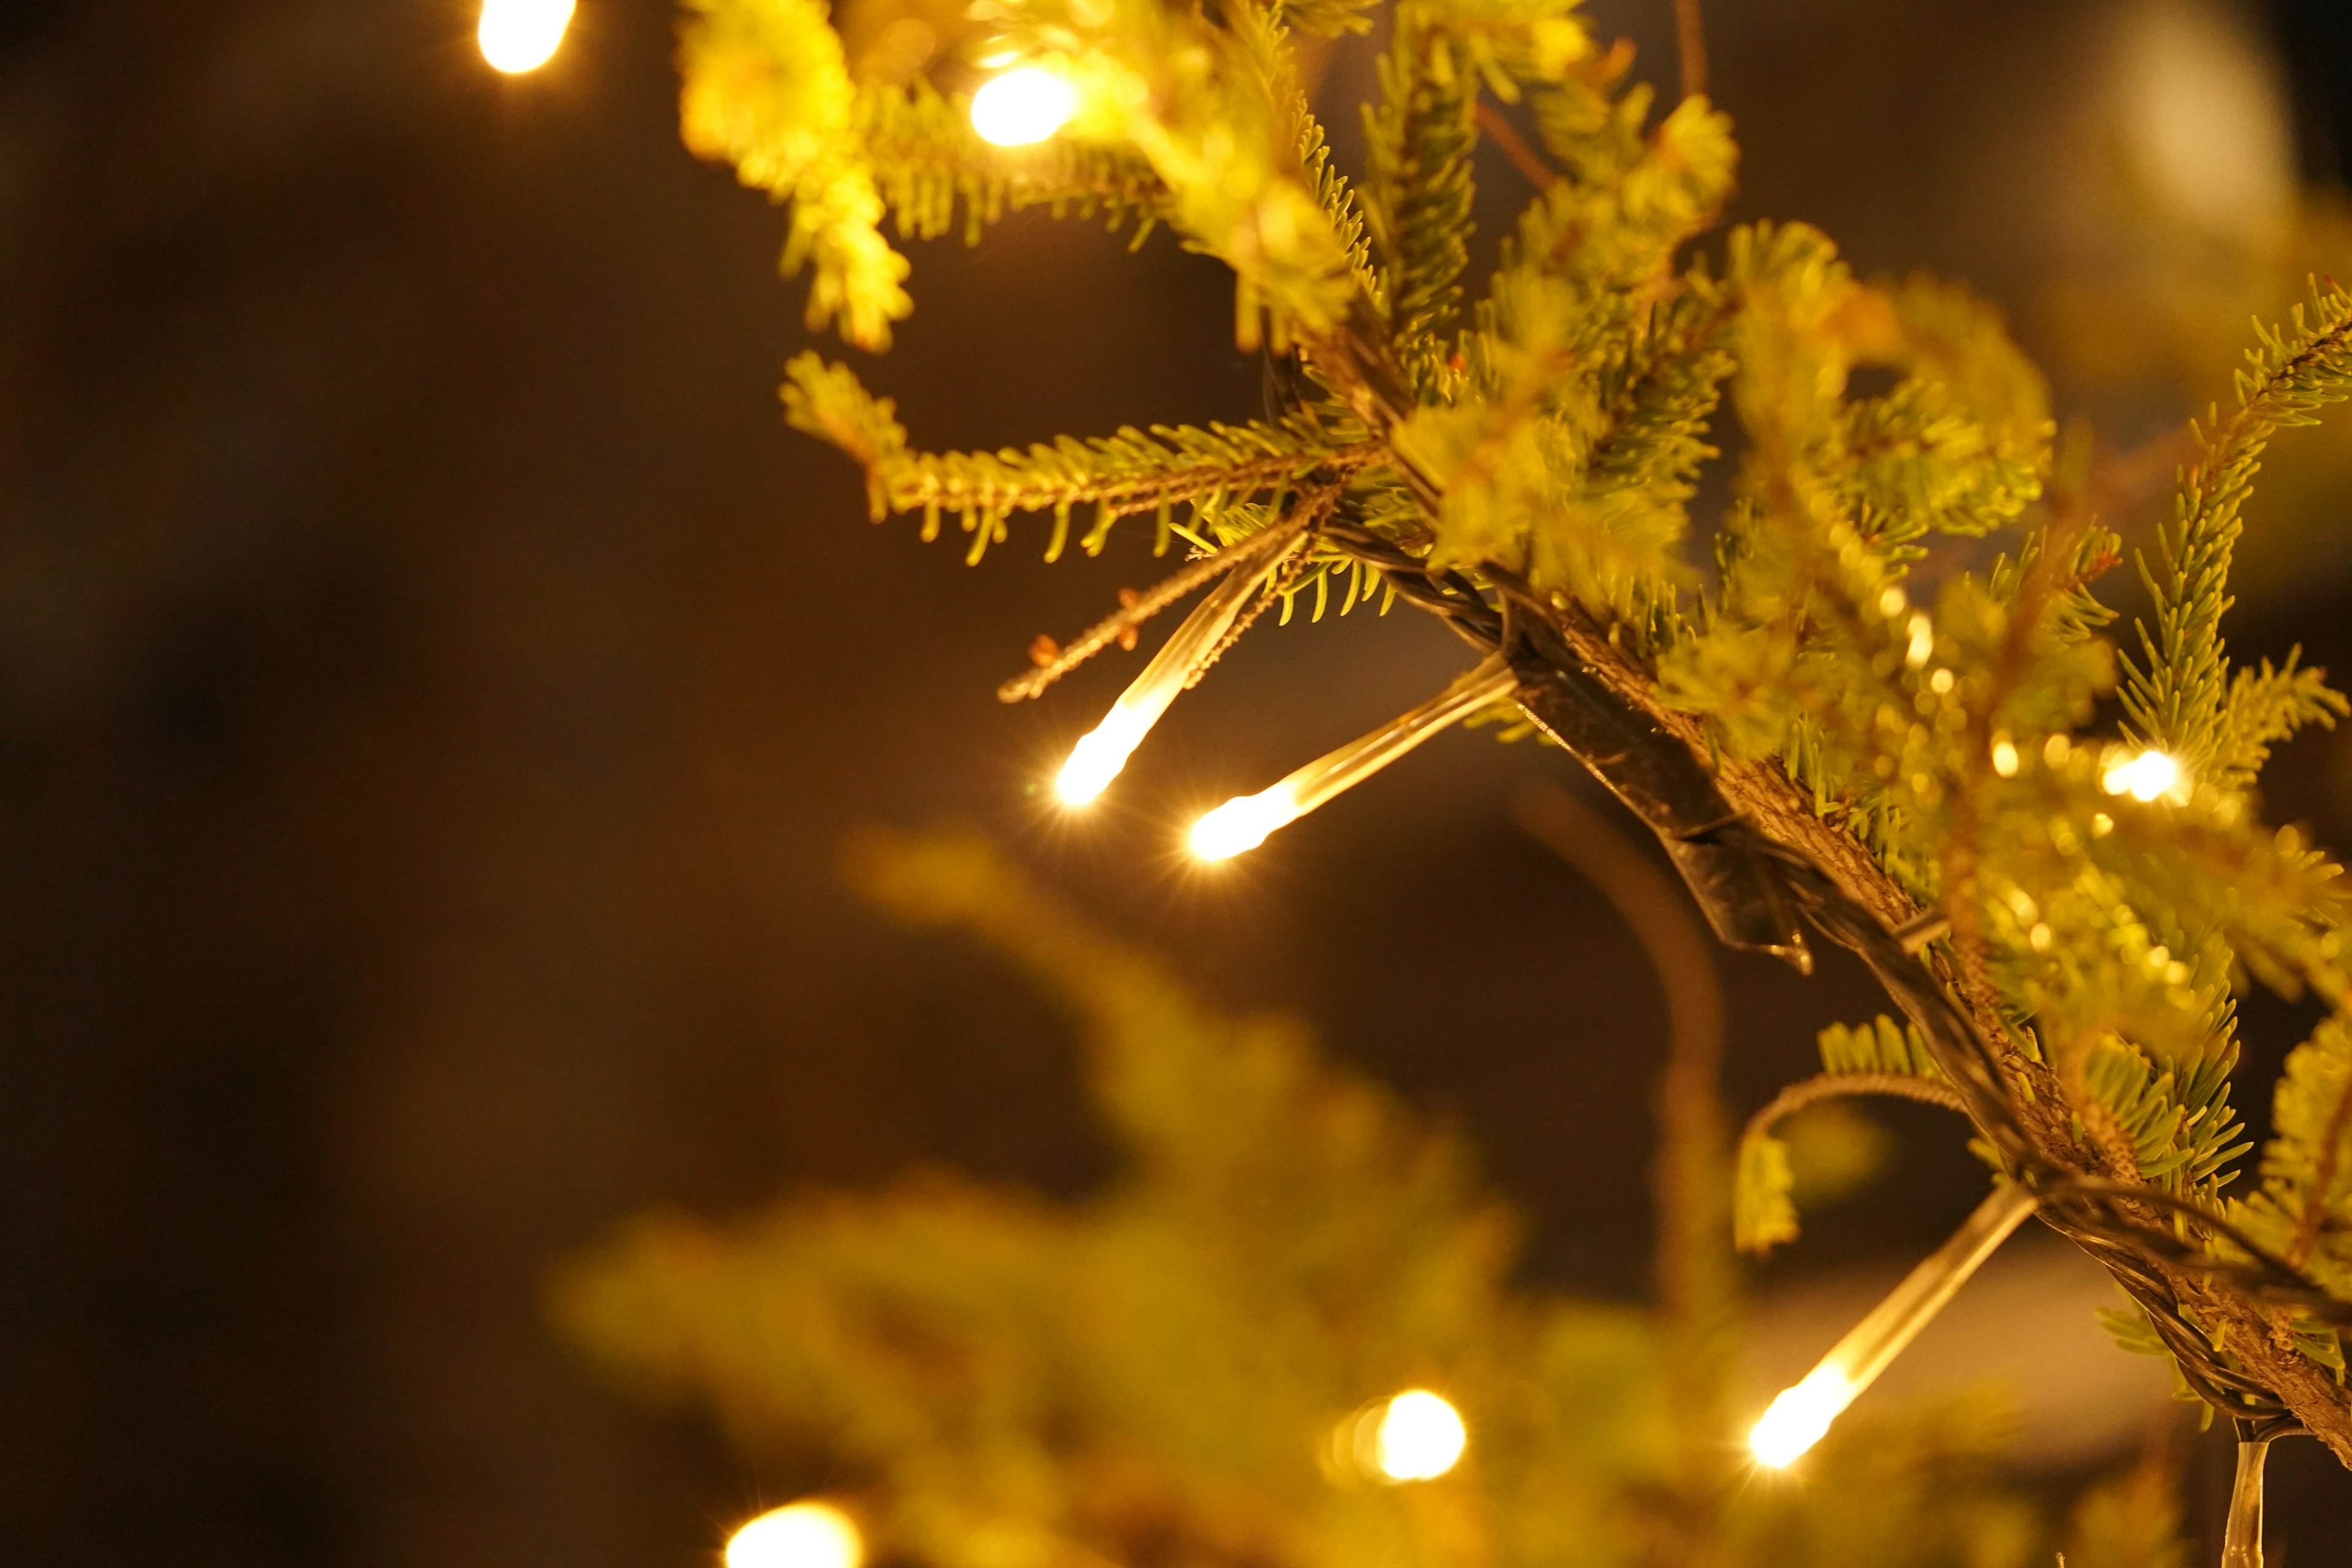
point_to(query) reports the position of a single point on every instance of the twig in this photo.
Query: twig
(1690, 1177)
(1159, 596)
(1690, 39)
(1831, 1085)
(2331, 1150)
(1500, 132)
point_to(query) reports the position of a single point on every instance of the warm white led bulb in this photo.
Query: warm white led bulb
(1800, 1417)
(2143, 776)
(520, 36)
(1243, 823)
(1101, 753)
(798, 1536)
(1025, 104)
(1419, 1437)
(1797, 1419)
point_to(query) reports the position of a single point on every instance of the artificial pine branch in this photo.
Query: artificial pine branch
(1824, 735)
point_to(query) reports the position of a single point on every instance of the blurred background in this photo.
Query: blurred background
(434, 684)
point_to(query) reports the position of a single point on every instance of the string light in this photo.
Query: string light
(806, 1534)
(2144, 775)
(1099, 755)
(1243, 823)
(1801, 1415)
(1420, 1436)
(520, 36)
(1024, 105)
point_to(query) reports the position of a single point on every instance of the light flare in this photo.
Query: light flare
(519, 36)
(1243, 823)
(1798, 1418)
(807, 1534)
(1023, 105)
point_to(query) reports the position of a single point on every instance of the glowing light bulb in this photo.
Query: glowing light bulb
(2143, 776)
(1243, 823)
(1102, 752)
(1025, 105)
(1800, 1417)
(1797, 1419)
(520, 36)
(1419, 1437)
(798, 1536)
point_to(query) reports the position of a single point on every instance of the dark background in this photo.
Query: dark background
(433, 683)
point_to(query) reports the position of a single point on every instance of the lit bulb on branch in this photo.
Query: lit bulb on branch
(1097, 757)
(1024, 105)
(1420, 1436)
(1416, 1435)
(798, 1536)
(1800, 1417)
(520, 36)
(1243, 823)
(2143, 776)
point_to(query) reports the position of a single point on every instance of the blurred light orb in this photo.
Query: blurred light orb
(1025, 105)
(798, 1536)
(1419, 1437)
(2144, 777)
(520, 36)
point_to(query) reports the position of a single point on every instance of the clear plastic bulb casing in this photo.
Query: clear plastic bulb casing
(1102, 752)
(1801, 1415)
(1244, 823)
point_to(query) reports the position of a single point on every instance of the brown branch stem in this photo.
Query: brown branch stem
(1690, 43)
(1690, 1174)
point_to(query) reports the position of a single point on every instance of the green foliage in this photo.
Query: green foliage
(2132, 1522)
(1881, 1046)
(1216, 469)
(768, 90)
(1180, 1361)
(1763, 1212)
(2303, 1211)
(1821, 1148)
(2180, 694)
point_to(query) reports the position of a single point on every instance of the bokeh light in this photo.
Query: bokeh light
(798, 1536)
(2143, 776)
(1025, 105)
(1419, 1437)
(520, 36)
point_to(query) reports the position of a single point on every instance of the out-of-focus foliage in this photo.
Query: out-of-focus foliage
(2099, 900)
(1171, 1369)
